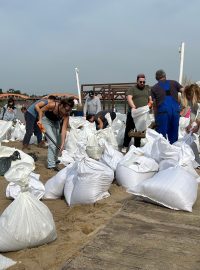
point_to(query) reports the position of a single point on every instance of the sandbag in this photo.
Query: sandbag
(141, 118)
(6, 262)
(7, 151)
(54, 187)
(26, 222)
(110, 156)
(89, 181)
(35, 187)
(5, 126)
(174, 188)
(134, 167)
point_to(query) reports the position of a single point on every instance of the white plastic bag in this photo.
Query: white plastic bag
(141, 118)
(35, 187)
(6, 262)
(110, 156)
(26, 222)
(174, 188)
(54, 187)
(134, 168)
(87, 182)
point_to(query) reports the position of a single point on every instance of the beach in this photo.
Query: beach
(75, 225)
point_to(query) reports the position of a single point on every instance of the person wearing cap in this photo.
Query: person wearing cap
(9, 111)
(92, 104)
(165, 96)
(137, 96)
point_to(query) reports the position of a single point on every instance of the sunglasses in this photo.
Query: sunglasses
(142, 82)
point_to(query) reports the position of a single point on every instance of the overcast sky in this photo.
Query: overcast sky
(42, 41)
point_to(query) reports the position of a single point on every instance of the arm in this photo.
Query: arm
(85, 108)
(64, 131)
(40, 108)
(98, 105)
(130, 102)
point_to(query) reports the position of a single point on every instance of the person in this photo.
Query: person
(100, 119)
(31, 118)
(165, 96)
(191, 98)
(50, 117)
(137, 96)
(92, 104)
(9, 111)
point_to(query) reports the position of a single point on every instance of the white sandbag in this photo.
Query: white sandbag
(135, 168)
(110, 156)
(35, 187)
(118, 128)
(7, 151)
(93, 149)
(141, 118)
(174, 188)
(18, 132)
(54, 187)
(65, 158)
(5, 262)
(183, 123)
(108, 135)
(5, 126)
(71, 178)
(80, 134)
(90, 181)
(26, 222)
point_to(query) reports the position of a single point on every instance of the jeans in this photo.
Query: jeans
(129, 126)
(31, 127)
(53, 130)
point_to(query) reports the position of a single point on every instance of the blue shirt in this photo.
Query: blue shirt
(31, 109)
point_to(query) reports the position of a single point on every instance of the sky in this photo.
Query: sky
(109, 41)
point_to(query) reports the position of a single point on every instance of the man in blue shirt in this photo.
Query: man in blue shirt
(166, 106)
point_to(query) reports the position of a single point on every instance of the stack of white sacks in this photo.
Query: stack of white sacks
(14, 132)
(175, 182)
(91, 158)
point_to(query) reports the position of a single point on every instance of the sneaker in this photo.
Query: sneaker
(124, 150)
(56, 169)
(42, 145)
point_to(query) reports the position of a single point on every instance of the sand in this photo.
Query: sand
(75, 225)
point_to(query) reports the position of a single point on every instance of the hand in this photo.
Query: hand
(188, 128)
(150, 104)
(195, 129)
(61, 148)
(133, 109)
(41, 127)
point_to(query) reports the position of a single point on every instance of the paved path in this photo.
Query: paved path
(143, 236)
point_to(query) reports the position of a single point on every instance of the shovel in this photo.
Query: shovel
(41, 127)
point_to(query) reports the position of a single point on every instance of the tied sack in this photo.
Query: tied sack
(87, 181)
(174, 188)
(26, 222)
(134, 168)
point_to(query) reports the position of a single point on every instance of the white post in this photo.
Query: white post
(78, 85)
(181, 51)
